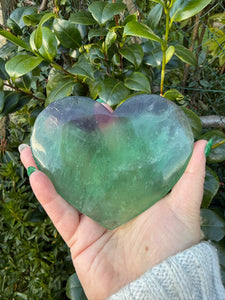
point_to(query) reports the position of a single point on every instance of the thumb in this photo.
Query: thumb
(186, 196)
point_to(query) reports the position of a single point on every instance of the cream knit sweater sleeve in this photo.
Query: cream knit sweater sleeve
(193, 274)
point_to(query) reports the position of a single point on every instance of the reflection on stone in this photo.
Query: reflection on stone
(112, 166)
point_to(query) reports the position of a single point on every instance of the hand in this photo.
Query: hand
(104, 260)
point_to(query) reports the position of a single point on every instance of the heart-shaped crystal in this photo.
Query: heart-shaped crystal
(112, 166)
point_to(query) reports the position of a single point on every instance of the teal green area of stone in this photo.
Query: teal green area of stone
(112, 166)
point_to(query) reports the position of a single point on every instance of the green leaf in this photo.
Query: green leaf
(112, 91)
(217, 154)
(154, 57)
(48, 48)
(138, 82)
(83, 68)
(23, 100)
(95, 54)
(15, 20)
(185, 55)
(211, 187)
(133, 53)
(169, 53)
(221, 59)
(83, 18)
(74, 290)
(32, 117)
(21, 64)
(2, 101)
(96, 32)
(11, 101)
(38, 32)
(154, 16)
(7, 50)
(3, 74)
(59, 86)
(130, 18)
(14, 101)
(141, 30)
(173, 95)
(104, 11)
(33, 19)
(12, 38)
(58, 3)
(67, 33)
(158, 1)
(109, 40)
(14, 27)
(212, 225)
(79, 89)
(83, 30)
(201, 57)
(93, 87)
(23, 82)
(219, 17)
(184, 9)
(116, 60)
(194, 121)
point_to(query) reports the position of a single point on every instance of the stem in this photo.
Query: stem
(163, 71)
(218, 144)
(116, 17)
(164, 47)
(107, 67)
(43, 5)
(116, 20)
(4, 27)
(58, 67)
(195, 37)
(22, 91)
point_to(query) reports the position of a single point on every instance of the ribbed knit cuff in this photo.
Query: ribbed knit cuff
(193, 274)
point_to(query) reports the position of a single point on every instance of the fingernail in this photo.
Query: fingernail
(208, 147)
(31, 170)
(22, 147)
(100, 101)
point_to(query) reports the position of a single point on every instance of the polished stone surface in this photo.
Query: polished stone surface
(112, 166)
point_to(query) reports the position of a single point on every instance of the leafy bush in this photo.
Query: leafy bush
(34, 261)
(102, 52)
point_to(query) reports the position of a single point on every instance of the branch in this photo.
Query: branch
(4, 27)
(43, 5)
(191, 48)
(3, 127)
(132, 9)
(213, 121)
(21, 91)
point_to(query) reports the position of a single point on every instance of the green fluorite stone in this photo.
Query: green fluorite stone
(112, 166)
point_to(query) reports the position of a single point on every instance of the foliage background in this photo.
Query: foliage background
(34, 261)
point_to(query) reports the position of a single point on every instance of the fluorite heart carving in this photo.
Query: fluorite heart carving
(112, 166)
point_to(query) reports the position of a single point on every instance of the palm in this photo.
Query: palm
(105, 260)
(115, 258)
